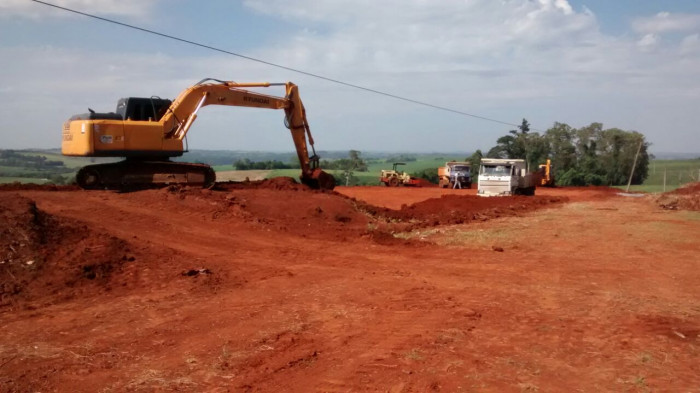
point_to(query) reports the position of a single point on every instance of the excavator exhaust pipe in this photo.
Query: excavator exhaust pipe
(318, 179)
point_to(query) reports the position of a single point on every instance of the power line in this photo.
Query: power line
(367, 89)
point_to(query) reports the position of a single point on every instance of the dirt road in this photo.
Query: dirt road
(273, 287)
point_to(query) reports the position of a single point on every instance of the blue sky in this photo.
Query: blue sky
(631, 64)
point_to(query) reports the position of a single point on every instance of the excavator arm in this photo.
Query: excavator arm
(183, 112)
(148, 131)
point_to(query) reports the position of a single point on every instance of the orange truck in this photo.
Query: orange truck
(455, 174)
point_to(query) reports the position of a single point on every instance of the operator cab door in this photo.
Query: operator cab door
(143, 132)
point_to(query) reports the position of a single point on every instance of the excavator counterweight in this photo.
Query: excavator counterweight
(150, 131)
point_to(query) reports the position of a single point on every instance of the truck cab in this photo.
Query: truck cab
(455, 175)
(501, 177)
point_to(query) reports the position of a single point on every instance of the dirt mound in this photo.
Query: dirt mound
(282, 205)
(688, 189)
(458, 209)
(684, 198)
(425, 183)
(279, 205)
(46, 259)
(275, 183)
(306, 213)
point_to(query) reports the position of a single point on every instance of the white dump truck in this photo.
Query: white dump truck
(504, 177)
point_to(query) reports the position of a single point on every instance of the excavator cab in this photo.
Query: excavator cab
(143, 109)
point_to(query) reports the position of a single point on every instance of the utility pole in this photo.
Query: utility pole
(633, 166)
(664, 179)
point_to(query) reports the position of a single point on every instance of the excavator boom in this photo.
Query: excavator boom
(150, 131)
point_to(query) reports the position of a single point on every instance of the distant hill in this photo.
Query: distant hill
(676, 156)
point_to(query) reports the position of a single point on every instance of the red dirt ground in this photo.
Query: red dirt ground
(268, 286)
(684, 198)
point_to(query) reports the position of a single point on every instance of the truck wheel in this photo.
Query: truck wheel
(393, 182)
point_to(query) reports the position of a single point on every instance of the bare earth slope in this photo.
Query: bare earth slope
(267, 286)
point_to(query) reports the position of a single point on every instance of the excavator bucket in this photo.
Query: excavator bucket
(318, 179)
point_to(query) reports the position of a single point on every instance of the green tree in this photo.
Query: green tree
(589, 155)
(357, 162)
(536, 150)
(562, 151)
(475, 161)
(617, 150)
(522, 144)
(429, 174)
(354, 163)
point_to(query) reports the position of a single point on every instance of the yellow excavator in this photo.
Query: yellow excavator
(149, 131)
(545, 174)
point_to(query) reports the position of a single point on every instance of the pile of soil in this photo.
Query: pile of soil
(425, 183)
(275, 183)
(280, 204)
(684, 198)
(47, 259)
(460, 209)
(284, 206)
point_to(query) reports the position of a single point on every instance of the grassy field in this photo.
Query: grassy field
(69, 162)
(678, 173)
(25, 180)
(223, 168)
(371, 177)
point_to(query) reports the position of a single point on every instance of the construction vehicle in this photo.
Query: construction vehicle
(149, 131)
(505, 177)
(455, 174)
(395, 178)
(545, 177)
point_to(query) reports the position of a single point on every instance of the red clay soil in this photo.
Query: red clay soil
(688, 189)
(269, 286)
(683, 198)
(38, 187)
(456, 209)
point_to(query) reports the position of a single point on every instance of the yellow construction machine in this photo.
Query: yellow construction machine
(149, 131)
(545, 174)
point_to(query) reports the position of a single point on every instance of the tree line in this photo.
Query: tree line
(246, 164)
(14, 159)
(589, 155)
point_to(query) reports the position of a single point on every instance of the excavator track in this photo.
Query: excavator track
(134, 174)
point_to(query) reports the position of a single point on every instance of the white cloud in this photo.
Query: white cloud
(665, 22)
(541, 60)
(649, 42)
(428, 36)
(31, 9)
(690, 44)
